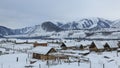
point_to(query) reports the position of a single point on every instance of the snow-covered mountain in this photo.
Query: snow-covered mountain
(47, 27)
(5, 31)
(25, 30)
(59, 24)
(116, 24)
(37, 29)
(88, 23)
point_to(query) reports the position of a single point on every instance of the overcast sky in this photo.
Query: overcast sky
(21, 13)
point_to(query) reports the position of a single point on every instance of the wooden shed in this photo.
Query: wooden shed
(63, 46)
(83, 45)
(112, 45)
(68, 45)
(107, 47)
(97, 46)
(43, 53)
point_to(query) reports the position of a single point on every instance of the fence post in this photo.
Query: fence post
(117, 54)
(78, 62)
(17, 59)
(39, 66)
(103, 65)
(90, 65)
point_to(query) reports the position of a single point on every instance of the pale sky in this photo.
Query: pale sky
(21, 13)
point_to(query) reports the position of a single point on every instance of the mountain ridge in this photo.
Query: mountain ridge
(86, 23)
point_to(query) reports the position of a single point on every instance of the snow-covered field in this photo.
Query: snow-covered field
(21, 59)
(10, 61)
(104, 60)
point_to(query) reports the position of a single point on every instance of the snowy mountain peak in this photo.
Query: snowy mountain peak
(38, 29)
(88, 23)
(94, 22)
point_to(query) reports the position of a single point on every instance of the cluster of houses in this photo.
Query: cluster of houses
(97, 46)
(46, 51)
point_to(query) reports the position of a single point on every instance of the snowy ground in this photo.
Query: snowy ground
(10, 61)
(105, 59)
(19, 59)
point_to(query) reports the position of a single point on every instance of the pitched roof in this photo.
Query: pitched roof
(70, 44)
(41, 50)
(99, 44)
(112, 44)
(84, 43)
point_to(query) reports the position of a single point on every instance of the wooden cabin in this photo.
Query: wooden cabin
(96, 46)
(63, 46)
(43, 53)
(68, 45)
(83, 45)
(112, 45)
(40, 44)
(79, 46)
(107, 47)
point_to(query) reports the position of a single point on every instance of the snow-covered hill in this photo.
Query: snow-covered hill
(88, 23)
(37, 29)
(96, 25)
(116, 24)
(43, 28)
(5, 31)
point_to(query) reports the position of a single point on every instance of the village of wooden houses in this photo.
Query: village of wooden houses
(16, 53)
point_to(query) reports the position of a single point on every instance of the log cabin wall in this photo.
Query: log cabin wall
(40, 44)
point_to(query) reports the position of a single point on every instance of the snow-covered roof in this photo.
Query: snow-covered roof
(41, 50)
(42, 41)
(99, 44)
(75, 51)
(84, 43)
(20, 41)
(112, 44)
(23, 46)
(53, 45)
(70, 44)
